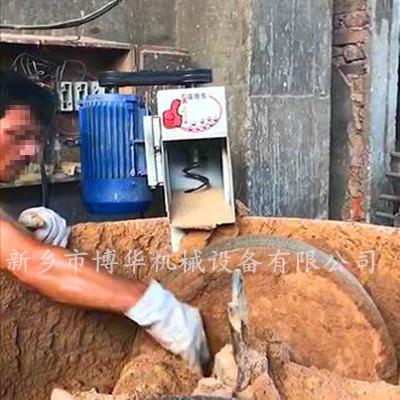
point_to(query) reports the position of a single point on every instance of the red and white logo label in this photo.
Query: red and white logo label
(193, 113)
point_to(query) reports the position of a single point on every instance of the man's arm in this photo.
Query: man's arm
(85, 287)
(176, 326)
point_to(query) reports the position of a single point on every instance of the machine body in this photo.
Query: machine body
(113, 154)
(185, 148)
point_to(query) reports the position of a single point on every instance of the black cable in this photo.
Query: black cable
(69, 23)
(205, 182)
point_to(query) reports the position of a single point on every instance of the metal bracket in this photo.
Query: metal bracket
(152, 141)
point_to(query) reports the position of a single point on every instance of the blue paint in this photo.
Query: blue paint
(114, 174)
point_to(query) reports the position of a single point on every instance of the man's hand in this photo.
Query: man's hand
(46, 225)
(176, 326)
(85, 286)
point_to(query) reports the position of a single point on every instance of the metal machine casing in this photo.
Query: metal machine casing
(113, 154)
(194, 118)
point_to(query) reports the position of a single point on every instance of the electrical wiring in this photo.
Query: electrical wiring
(66, 24)
(34, 67)
(60, 72)
(48, 72)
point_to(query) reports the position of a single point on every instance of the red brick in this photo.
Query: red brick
(339, 61)
(349, 5)
(354, 68)
(338, 21)
(337, 51)
(349, 36)
(359, 85)
(353, 52)
(356, 20)
(357, 209)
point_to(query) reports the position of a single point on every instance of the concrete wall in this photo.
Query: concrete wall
(274, 59)
(136, 21)
(382, 102)
(217, 33)
(153, 22)
(290, 103)
(115, 25)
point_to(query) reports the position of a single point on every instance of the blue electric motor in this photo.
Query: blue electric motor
(113, 157)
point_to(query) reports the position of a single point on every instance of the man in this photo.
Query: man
(25, 109)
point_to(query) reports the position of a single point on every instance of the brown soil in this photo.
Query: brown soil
(322, 319)
(153, 371)
(301, 383)
(351, 240)
(346, 241)
(283, 379)
(296, 383)
(147, 237)
(59, 394)
(45, 345)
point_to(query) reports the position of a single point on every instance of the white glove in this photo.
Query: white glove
(47, 225)
(176, 326)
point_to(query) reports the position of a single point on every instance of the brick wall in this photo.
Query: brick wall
(351, 34)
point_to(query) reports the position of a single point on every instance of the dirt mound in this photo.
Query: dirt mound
(133, 242)
(76, 349)
(325, 316)
(45, 345)
(356, 245)
(370, 252)
(303, 383)
(153, 371)
(279, 379)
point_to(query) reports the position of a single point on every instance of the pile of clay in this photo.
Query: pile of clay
(290, 382)
(340, 320)
(271, 374)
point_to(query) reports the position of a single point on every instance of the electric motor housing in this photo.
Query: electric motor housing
(114, 173)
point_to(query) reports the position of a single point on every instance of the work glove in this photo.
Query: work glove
(46, 225)
(178, 327)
